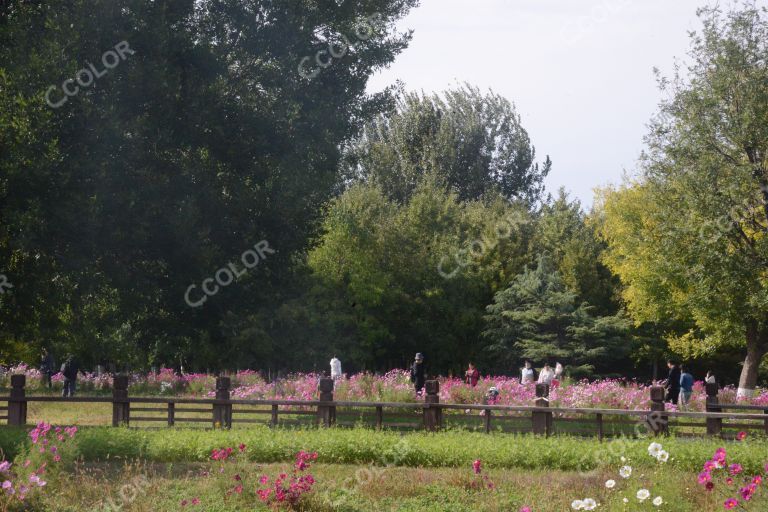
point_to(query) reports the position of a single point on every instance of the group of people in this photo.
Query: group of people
(68, 369)
(679, 384)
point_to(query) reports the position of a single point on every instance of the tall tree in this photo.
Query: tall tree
(539, 318)
(204, 137)
(689, 238)
(473, 142)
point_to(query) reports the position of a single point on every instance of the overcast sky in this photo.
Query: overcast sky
(579, 71)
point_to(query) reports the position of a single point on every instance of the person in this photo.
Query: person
(558, 375)
(69, 369)
(710, 378)
(546, 375)
(527, 375)
(673, 383)
(47, 366)
(686, 386)
(335, 368)
(491, 397)
(418, 377)
(472, 375)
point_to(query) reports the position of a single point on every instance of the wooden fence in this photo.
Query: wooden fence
(539, 418)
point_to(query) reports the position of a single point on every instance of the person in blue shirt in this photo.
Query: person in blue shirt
(686, 386)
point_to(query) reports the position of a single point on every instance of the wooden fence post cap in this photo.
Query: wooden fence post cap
(18, 381)
(657, 393)
(432, 387)
(120, 382)
(223, 382)
(325, 385)
(542, 390)
(711, 388)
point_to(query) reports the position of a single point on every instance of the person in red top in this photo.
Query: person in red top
(472, 375)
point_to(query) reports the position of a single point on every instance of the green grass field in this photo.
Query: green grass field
(360, 469)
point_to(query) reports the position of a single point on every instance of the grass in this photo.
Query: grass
(362, 470)
(363, 446)
(352, 488)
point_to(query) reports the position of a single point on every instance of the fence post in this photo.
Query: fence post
(121, 407)
(542, 421)
(222, 413)
(714, 425)
(326, 414)
(657, 422)
(433, 414)
(17, 403)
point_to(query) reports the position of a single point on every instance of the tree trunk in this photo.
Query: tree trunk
(756, 349)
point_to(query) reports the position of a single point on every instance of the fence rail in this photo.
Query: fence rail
(538, 418)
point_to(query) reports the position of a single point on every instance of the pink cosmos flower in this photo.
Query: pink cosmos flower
(741, 436)
(730, 503)
(477, 466)
(525, 509)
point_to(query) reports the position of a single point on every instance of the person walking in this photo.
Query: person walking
(673, 383)
(47, 365)
(69, 369)
(335, 368)
(472, 375)
(547, 375)
(686, 386)
(527, 373)
(418, 375)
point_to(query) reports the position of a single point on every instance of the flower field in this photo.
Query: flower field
(394, 386)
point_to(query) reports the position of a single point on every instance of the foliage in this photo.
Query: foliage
(473, 143)
(538, 318)
(203, 141)
(688, 238)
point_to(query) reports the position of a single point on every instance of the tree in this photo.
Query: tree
(416, 276)
(473, 143)
(688, 237)
(567, 235)
(203, 139)
(538, 317)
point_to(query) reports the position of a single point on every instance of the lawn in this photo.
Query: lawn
(363, 470)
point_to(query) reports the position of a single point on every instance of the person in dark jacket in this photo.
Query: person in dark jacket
(673, 383)
(418, 376)
(69, 369)
(47, 366)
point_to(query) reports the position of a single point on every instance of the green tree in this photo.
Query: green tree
(473, 142)
(203, 140)
(416, 277)
(538, 317)
(688, 238)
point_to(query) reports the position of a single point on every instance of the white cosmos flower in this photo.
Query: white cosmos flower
(643, 494)
(610, 484)
(577, 504)
(625, 472)
(626, 500)
(589, 504)
(662, 456)
(623, 459)
(657, 501)
(654, 449)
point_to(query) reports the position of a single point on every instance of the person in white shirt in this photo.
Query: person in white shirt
(335, 368)
(526, 374)
(546, 375)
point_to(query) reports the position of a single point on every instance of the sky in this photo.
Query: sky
(580, 72)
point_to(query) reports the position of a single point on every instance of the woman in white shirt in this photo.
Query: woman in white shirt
(546, 375)
(526, 374)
